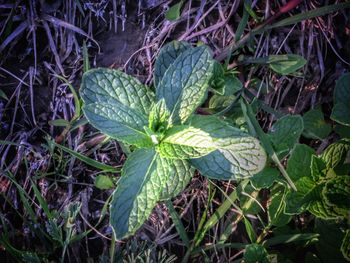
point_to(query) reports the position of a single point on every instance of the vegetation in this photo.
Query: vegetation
(222, 137)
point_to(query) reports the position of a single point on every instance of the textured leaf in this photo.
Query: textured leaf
(178, 180)
(158, 116)
(119, 122)
(336, 154)
(299, 162)
(341, 109)
(276, 207)
(184, 142)
(143, 178)
(315, 126)
(345, 246)
(285, 133)
(337, 192)
(239, 155)
(166, 57)
(286, 64)
(217, 82)
(318, 168)
(265, 178)
(111, 86)
(185, 83)
(255, 253)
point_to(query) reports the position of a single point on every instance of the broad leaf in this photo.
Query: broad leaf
(276, 207)
(315, 126)
(265, 178)
(143, 178)
(336, 154)
(299, 162)
(255, 253)
(238, 155)
(285, 133)
(174, 12)
(178, 180)
(166, 57)
(185, 142)
(337, 192)
(104, 182)
(185, 83)
(286, 64)
(341, 109)
(109, 86)
(119, 122)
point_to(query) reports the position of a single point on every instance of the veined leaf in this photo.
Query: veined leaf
(318, 168)
(119, 122)
(185, 83)
(179, 179)
(184, 142)
(285, 133)
(336, 154)
(337, 192)
(158, 116)
(238, 154)
(166, 57)
(143, 178)
(276, 214)
(110, 86)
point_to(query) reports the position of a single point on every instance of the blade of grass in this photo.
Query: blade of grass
(285, 239)
(250, 117)
(88, 160)
(177, 222)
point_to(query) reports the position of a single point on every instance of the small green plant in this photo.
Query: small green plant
(169, 139)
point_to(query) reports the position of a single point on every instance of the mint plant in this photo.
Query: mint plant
(170, 140)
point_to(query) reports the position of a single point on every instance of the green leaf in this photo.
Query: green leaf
(184, 142)
(286, 64)
(276, 207)
(109, 86)
(217, 82)
(315, 126)
(185, 83)
(336, 154)
(330, 240)
(341, 109)
(340, 113)
(285, 133)
(180, 178)
(59, 123)
(318, 168)
(3, 95)
(265, 178)
(342, 90)
(238, 155)
(119, 122)
(345, 246)
(255, 253)
(342, 130)
(166, 57)
(337, 192)
(104, 182)
(139, 189)
(299, 162)
(158, 116)
(174, 12)
(250, 230)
